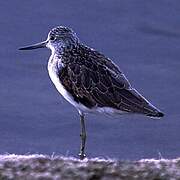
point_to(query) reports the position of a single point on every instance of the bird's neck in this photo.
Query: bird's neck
(55, 61)
(62, 54)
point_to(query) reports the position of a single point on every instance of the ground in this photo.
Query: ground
(58, 167)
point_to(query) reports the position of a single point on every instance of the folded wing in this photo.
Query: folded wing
(97, 82)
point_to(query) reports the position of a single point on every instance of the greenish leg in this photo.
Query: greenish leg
(83, 137)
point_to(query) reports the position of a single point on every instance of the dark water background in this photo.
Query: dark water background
(142, 37)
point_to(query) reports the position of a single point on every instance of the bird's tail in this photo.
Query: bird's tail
(145, 107)
(156, 114)
(152, 111)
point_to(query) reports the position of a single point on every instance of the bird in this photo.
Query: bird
(89, 80)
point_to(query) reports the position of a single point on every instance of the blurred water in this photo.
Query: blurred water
(142, 37)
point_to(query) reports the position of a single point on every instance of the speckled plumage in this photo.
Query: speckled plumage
(94, 80)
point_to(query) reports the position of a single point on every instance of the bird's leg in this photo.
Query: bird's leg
(83, 137)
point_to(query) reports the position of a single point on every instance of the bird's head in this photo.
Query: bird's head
(58, 38)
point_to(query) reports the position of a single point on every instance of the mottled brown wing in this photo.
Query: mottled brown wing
(97, 82)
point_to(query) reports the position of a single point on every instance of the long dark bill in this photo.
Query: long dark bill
(34, 46)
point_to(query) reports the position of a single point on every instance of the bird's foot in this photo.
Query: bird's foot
(82, 155)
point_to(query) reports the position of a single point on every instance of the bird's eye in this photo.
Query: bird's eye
(52, 38)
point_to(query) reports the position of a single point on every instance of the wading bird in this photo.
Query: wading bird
(89, 80)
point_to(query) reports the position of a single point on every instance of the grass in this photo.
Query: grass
(45, 167)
